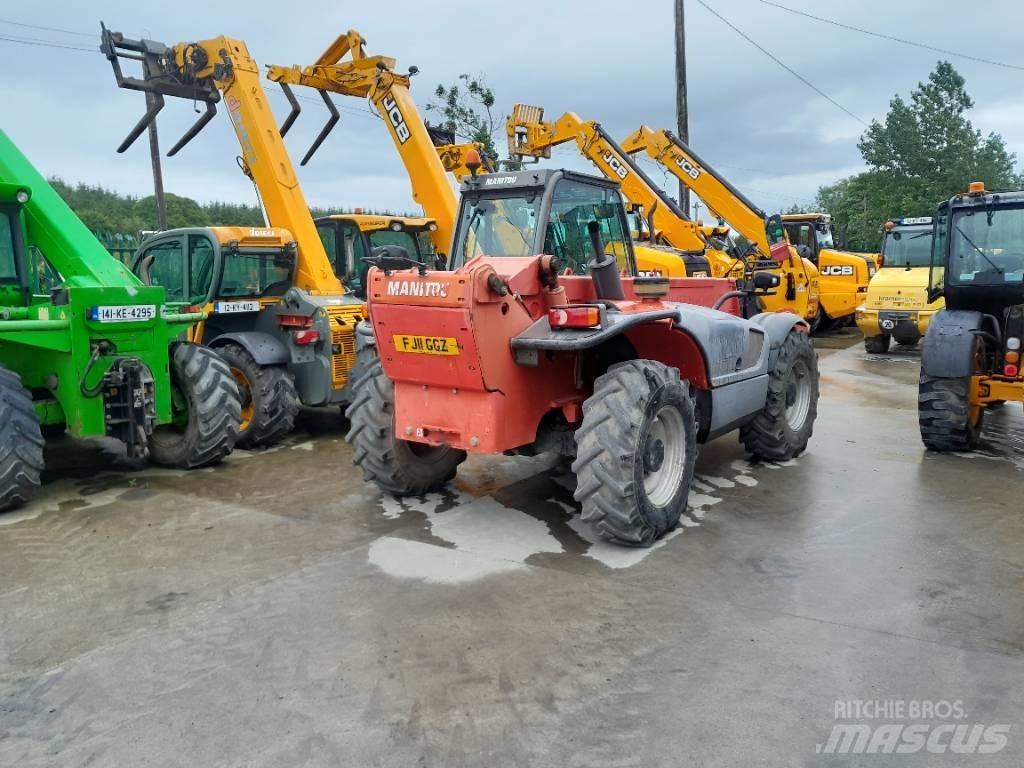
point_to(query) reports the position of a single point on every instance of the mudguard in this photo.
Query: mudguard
(264, 348)
(777, 326)
(949, 344)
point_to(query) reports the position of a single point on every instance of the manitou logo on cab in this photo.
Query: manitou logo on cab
(423, 288)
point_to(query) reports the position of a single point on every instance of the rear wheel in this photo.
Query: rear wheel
(947, 419)
(207, 410)
(21, 442)
(400, 467)
(635, 452)
(877, 345)
(784, 426)
(269, 400)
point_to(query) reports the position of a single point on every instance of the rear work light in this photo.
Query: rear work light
(295, 321)
(302, 338)
(574, 317)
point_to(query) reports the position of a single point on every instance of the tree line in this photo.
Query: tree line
(924, 151)
(104, 210)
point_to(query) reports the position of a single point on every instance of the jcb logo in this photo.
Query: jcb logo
(395, 116)
(837, 271)
(688, 168)
(616, 165)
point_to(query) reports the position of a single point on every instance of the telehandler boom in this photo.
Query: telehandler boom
(278, 312)
(426, 163)
(529, 135)
(725, 202)
(87, 348)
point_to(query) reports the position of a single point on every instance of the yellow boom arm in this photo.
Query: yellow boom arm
(205, 71)
(530, 136)
(723, 200)
(373, 77)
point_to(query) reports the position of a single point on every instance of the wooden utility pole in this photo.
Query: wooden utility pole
(682, 113)
(158, 176)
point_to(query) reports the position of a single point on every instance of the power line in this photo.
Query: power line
(786, 67)
(46, 29)
(47, 44)
(894, 39)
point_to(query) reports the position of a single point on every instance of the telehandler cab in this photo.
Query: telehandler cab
(279, 315)
(542, 338)
(768, 248)
(971, 356)
(87, 348)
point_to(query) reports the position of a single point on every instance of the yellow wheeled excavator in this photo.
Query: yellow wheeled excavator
(768, 244)
(530, 136)
(345, 68)
(277, 312)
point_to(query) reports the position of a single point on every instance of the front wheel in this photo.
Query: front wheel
(400, 467)
(877, 345)
(948, 420)
(635, 452)
(21, 442)
(207, 411)
(269, 400)
(784, 426)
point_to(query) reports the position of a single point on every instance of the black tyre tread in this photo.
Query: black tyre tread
(877, 345)
(375, 448)
(943, 410)
(605, 444)
(214, 404)
(768, 436)
(21, 442)
(274, 397)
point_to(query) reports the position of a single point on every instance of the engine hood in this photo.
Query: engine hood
(898, 288)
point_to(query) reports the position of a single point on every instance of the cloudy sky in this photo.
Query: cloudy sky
(770, 134)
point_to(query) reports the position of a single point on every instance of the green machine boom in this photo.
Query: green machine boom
(86, 347)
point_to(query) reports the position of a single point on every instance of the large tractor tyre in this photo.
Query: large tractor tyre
(207, 410)
(399, 467)
(784, 426)
(269, 400)
(877, 345)
(21, 443)
(948, 421)
(635, 452)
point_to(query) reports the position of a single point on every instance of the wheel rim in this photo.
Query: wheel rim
(245, 391)
(798, 396)
(663, 454)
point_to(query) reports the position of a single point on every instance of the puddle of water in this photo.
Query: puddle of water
(406, 559)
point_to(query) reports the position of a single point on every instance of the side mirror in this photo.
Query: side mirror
(392, 258)
(765, 281)
(440, 261)
(144, 266)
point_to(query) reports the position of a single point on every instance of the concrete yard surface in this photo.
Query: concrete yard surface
(277, 611)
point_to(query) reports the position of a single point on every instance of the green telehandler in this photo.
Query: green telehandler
(88, 349)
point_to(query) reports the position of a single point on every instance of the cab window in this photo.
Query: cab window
(8, 261)
(573, 206)
(200, 267)
(165, 268)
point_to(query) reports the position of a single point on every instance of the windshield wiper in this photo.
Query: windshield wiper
(983, 255)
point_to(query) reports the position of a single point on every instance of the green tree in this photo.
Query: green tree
(466, 108)
(923, 151)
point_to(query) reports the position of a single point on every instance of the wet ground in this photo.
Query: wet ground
(277, 611)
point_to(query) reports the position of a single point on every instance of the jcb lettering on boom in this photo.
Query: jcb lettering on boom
(688, 168)
(615, 164)
(396, 118)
